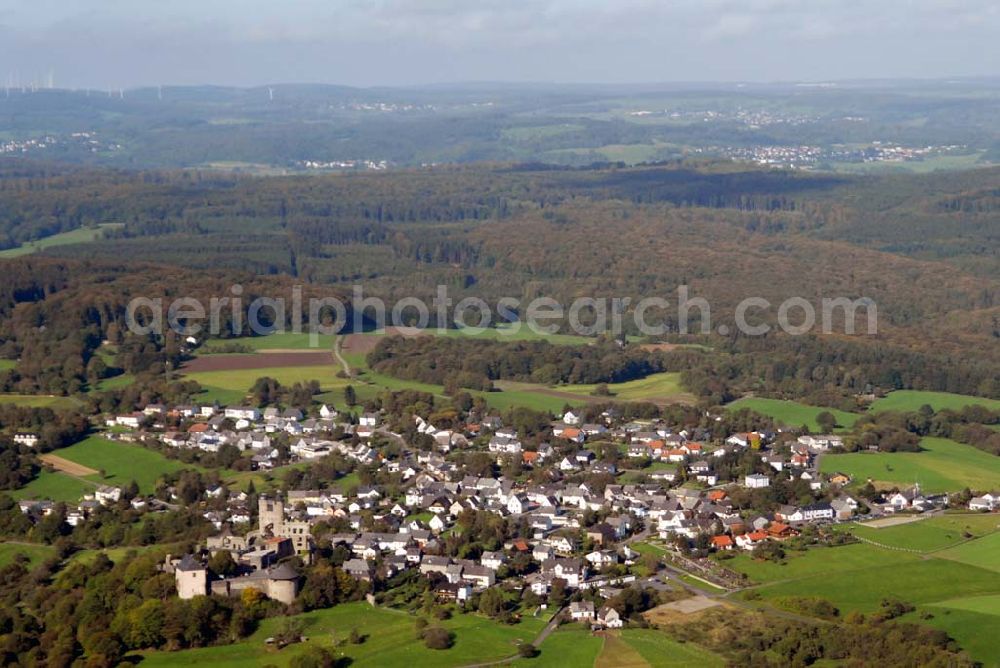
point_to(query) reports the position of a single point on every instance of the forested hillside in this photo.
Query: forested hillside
(922, 247)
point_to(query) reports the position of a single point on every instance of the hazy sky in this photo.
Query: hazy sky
(374, 42)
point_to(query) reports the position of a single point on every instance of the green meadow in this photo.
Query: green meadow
(55, 486)
(661, 651)
(825, 560)
(115, 382)
(971, 620)
(6, 365)
(390, 641)
(121, 462)
(276, 341)
(80, 235)
(955, 587)
(569, 645)
(232, 386)
(39, 401)
(943, 466)
(792, 413)
(514, 333)
(657, 387)
(36, 554)
(929, 535)
(983, 552)
(912, 400)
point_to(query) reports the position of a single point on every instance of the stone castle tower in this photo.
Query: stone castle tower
(191, 578)
(271, 516)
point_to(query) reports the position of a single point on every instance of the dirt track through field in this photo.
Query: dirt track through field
(260, 360)
(66, 466)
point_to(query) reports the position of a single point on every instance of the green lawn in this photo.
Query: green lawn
(655, 387)
(912, 400)
(39, 401)
(54, 486)
(391, 641)
(6, 365)
(792, 413)
(122, 462)
(943, 466)
(78, 236)
(36, 553)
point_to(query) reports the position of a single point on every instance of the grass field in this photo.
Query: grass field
(982, 552)
(830, 560)
(657, 388)
(958, 586)
(943, 466)
(508, 333)
(121, 462)
(912, 400)
(390, 641)
(6, 365)
(792, 413)
(36, 553)
(569, 645)
(660, 651)
(917, 581)
(975, 631)
(277, 341)
(78, 236)
(115, 382)
(930, 535)
(39, 401)
(54, 486)
(230, 387)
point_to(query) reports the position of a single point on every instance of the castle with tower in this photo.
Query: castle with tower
(257, 555)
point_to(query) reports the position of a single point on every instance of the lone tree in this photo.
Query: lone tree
(436, 637)
(826, 421)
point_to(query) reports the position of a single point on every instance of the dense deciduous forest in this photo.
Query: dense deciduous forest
(922, 247)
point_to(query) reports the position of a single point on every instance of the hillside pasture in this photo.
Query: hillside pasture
(55, 486)
(258, 361)
(956, 589)
(271, 342)
(983, 552)
(942, 466)
(911, 400)
(793, 413)
(121, 462)
(39, 401)
(569, 645)
(929, 535)
(657, 388)
(390, 641)
(80, 235)
(36, 554)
